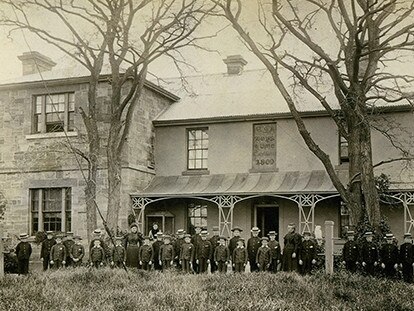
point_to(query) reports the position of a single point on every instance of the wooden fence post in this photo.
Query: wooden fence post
(329, 243)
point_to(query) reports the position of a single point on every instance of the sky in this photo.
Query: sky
(224, 44)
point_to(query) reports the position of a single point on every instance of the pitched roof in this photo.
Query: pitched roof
(250, 93)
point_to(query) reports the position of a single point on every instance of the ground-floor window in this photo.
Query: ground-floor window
(51, 209)
(197, 216)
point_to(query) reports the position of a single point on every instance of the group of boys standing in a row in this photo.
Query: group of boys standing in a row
(387, 260)
(189, 253)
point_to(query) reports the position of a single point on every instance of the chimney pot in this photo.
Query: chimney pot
(235, 64)
(33, 62)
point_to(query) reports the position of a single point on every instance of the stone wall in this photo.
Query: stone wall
(29, 160)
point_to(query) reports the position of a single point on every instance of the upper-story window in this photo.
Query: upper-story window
(343, 150)
(53, 113)
(197, 142)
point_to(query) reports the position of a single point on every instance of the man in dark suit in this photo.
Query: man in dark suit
(389, 257)
(407, 258)
(253, 245)
(369, 254)
(45, 250)
(350, 253)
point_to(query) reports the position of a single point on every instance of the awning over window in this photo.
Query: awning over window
(239, 184)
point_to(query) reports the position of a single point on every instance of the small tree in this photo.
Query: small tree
(350, 75)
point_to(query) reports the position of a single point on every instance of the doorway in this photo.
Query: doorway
(267, 218)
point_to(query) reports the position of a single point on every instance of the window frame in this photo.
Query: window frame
(41, 127)
(202, 217)
(45, 219)
(203, 159)
(342, 142)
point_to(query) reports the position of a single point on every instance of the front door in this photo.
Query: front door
(267, 218)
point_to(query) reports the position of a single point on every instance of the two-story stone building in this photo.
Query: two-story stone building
(229, 154)
(39, 175)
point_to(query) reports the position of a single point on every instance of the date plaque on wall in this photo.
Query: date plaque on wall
(264, 147)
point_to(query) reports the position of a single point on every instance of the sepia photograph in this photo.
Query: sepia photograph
(220, 155)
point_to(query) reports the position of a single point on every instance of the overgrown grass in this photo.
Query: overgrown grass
(84, 289)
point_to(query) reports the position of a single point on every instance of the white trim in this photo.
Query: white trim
(51, 135)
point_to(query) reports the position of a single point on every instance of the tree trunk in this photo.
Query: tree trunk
(90, 190)
(114, 177)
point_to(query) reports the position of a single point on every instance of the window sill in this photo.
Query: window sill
(195, 172)
(51, 135)
(342, 166)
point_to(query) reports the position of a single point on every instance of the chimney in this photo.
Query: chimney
(33, 62)
(235, 64)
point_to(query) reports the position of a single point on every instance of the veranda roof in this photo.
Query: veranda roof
(294, 182)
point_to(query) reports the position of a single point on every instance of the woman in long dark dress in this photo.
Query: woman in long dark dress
(292, 243)
(132, 241)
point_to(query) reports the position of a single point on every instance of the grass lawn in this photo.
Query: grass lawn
(84, 289)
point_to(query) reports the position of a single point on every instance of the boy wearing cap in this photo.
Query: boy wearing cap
(253, 245)
(97, 255)
(166, 254)
(275, 251)
(177, 247)
(23, 252)
(58, 254)
(204, 251)
(214, 243)
(240, 256)
(233, 241)
(264, 255)
(292, 243)
(77, 252)
(221, 255)
(186, 256)
(389, 257)
(350, 253)
(369, 254)
(407, 258)
(307, 253)
(146, 254)
(45, 250)
(68, 242)
(118, 254)
(156, 247)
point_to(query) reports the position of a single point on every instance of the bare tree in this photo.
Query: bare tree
(362, 40)
(126, 34)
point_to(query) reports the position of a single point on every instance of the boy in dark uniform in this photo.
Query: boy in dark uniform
(177, 247)
(389, 257)
(292, 244)
(239, 257)
(275, 250)
(264, 255)
(45, 250)
(187, 252)
(221, 255)
(58, 254)
(233, 241)
(157, 246)
(350, 253)
(253, 245)
(166, 254)
(195, 240)
(23, 252)
(407, 258)
(118, 254)
(204, 251)
(146, 254)
(97, 254)
(307, 253)
(77, 252)
(369, 254)
(214, 242)
(68, 242)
